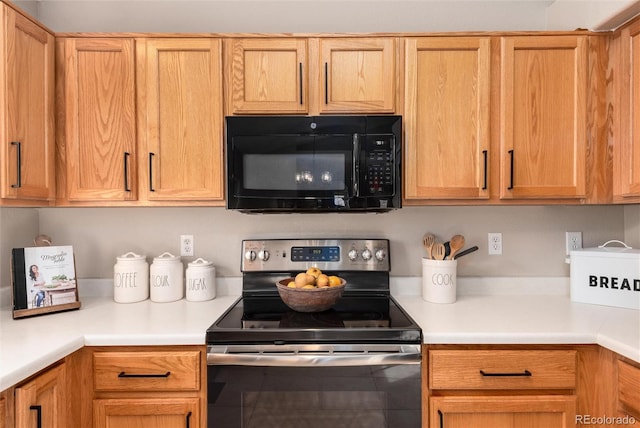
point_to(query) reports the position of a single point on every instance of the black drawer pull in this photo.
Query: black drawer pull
(38, 410)
(511, 170)
(525, 373)
(126, 172)
(484, 154)
(151, 155)
(19, 164)
(124, 374)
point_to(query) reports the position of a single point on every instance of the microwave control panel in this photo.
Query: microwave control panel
(379, 165)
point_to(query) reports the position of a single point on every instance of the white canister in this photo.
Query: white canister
(439, 279)
(130, 278)
(201, 281)
(166, 282)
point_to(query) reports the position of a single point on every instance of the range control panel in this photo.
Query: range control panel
(273, 255)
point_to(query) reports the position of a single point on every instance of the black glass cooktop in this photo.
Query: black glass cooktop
(354, 319)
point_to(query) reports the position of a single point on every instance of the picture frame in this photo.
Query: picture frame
(44, 280)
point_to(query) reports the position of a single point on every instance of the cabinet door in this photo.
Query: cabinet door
(627, 149)
(28, 135)
(543, 116)
(447, 118)
(100, 119)
(42, 399)
(357, 75)
(268, 76)
(502, 412)
(145, 413)
(182, 119)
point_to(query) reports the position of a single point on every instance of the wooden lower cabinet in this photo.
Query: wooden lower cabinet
(487, 386)
(144, 413)
(148, 386)
(508, 411)
(629, 388)
(41, 402)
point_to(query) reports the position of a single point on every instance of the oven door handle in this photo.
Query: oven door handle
(312, 360)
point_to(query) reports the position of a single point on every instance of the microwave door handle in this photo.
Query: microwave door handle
(356, 165)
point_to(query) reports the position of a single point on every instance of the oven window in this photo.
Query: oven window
(296, 172)
(314, 397)
(291, 166)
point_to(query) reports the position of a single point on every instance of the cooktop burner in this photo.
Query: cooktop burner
(353, 319)
(366, 313)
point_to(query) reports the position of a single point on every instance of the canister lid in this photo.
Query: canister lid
(200, 262)
(166, 257)
(131, 257)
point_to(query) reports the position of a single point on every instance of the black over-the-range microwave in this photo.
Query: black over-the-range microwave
(313, 164)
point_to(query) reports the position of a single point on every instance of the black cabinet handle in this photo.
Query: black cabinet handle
(441, 419)
(189, 420)
(300, 73)
(326, 83)
(151, 155)
(19, 165)
(126, 172)
(525, 373)
(511, 172)
(138, 375)
(38, 410)
(484, 154)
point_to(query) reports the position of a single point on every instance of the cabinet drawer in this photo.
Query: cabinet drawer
(147, 371)
(629, 388)
(502, 369)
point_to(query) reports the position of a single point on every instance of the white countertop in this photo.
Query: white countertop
(504, 316)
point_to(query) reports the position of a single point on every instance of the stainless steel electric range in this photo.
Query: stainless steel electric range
(356, 364)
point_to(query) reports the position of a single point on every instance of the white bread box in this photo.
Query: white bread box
(606, 275)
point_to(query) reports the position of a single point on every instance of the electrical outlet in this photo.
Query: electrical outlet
(186, 245)
(573, 241)
(495, 244)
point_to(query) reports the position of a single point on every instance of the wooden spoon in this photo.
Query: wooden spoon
(438, 251)
(427, 242)
(456, 244)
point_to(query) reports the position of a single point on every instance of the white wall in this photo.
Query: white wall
(533, 237)
(329, 15)
(302, 16)
(18, 227)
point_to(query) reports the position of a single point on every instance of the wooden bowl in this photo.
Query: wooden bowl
(309, 299)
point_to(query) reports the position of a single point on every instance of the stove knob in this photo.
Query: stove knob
(366, 254)
(264, 255)
(381, 255)
(353, 255)
(250, 255)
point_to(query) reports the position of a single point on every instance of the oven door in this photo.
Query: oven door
(280, 171)
(344, 386)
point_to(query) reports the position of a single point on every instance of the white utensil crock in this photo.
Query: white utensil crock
(167, 284)
(201, 281)
(130, 278)
(439, 280)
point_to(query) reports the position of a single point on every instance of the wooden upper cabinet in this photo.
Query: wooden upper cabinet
(543, 114)
(268, 76)
(181, 119)
(100, 119)
(26, 109)
(627, 145)
(446, 117)
(357, 75)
